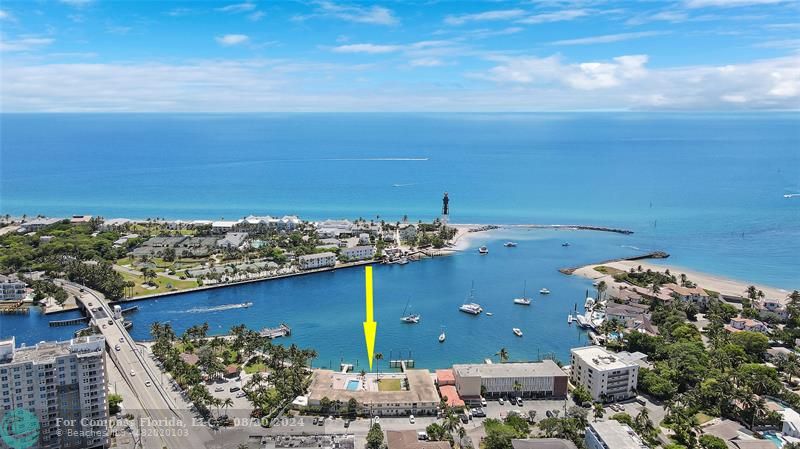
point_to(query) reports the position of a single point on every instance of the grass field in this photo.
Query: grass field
(607, 270)
(702, 418)
(389, 385)
(163, 284)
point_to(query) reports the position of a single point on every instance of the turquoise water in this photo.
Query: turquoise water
(775, 439)
(707, 188)
(353, 385)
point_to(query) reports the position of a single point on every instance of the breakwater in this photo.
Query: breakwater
(650, 255)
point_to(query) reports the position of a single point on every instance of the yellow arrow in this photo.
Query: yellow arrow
(370, 326)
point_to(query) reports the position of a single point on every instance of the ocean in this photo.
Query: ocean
(707, 188)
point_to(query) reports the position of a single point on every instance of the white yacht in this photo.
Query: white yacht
(510, 244)
(411, 318)
(544, 291)
(517, 332)
(483, 250)
(442, 336)
(470, 306)
(524, 300)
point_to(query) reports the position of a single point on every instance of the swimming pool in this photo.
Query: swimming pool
(353, 385)
(775, 439)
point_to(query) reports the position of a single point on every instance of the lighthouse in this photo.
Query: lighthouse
(445, 209)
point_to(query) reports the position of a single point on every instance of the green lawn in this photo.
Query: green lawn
(607, 270)
(255, 368)
(163, 284)
(702, 418)
(389, 385)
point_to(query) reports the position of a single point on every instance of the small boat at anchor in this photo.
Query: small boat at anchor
(470, 306)
(411, 318)
(489, 314)
(523, 300)
(517, 331)
(565, 244)
(510, 244)
(442, 336)
(544, 291)
(483, 250)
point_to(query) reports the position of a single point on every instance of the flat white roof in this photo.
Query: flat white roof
(617, 435)
(601, 359)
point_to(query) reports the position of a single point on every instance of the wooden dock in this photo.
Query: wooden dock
(70, 322)
(276, 332)
(14, 308)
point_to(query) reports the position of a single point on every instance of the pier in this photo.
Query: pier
(70, 322)
(276, 332)
(15, 308)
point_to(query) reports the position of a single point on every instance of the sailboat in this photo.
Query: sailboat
(524, 300)
(410, 319)
(517, 331)
(442, 336)
(472, 308)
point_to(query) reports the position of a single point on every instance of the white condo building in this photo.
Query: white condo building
(59, 382)
(11, 289)
(612, 435)
(362, 252)
(319, 260)
(607, 376)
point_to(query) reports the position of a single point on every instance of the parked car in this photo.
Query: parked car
(122, 339)
(346, 423)
(549, 414)
(512, 401)
(133, 373)
(219, 389)
(464, 418)
(316, 420)
(117, 348)
(519, 402)
(411, 419)
(234, 389)
(478, 413)
(422, 435)
(483, 402)
(147, 383)
(501, 401)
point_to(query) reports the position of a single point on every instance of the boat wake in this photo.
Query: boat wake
(631, 247)
(405, 185)
(791, 195)
(215, 308)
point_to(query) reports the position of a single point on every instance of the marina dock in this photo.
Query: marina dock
(70, 322)
(276, 332)
(15, 308)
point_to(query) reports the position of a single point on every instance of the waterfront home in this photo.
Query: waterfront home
(114, 224)
(409, 439)
(408, 232)
(543, 443)
(395, 394)
(544, 379)
(738, 324)
(319, 260)
(363, 252)
(612, 434)
(606, 375)
(772, 308)
(731, 432)
(363, 239)
(694, 295)
(223, 226)
(334, 228)
(626, 295)
(790, 420)
(11, 289)
(38, 224)
(78, 219)
(233, 241)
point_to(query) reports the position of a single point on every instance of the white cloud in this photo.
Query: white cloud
(256, 16)
(728, 3)
(232, 39)
(500, 14)
(426, 62)
(367, 48)
(557, 16)
(5, 15)
(77, 3)
(582, 76)
(608, 38)
(661, 16)
(24, 44)
(375, 15)
(238, 7)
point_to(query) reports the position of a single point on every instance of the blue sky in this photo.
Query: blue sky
(118, 56)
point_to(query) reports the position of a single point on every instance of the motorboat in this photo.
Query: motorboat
(523, 300)
(442, 336)
(483, 250)
(510, 244)
(569, 319)
(544, 291)
(403, 260)
(565, 244)
(517, 332)
(489, 314)
(470, 306)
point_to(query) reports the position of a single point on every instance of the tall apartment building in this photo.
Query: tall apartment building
(607, 376)
(63, 384)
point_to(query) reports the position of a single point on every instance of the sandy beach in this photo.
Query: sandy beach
(723, 285)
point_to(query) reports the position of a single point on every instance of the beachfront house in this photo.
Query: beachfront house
(739, 324)
(115, 224)
(772, 308)
(318, 260)
(606, 375)
(38, 224)
(694, 295)
(361, 252)
(223, 226)
(408, 232)
(543, 379)
(233, 241)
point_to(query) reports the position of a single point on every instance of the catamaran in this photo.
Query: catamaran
(470, 306)
(410, 319)
(517, 331)
(483, 250)
(524, 300)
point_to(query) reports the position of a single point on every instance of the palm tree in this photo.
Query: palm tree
(228, 402)
(517, 387)
(503, 354)
(601, 288)
(599, 411)
(378, 358)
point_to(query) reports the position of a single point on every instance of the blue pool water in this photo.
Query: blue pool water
(353, 385)
(775, 439)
